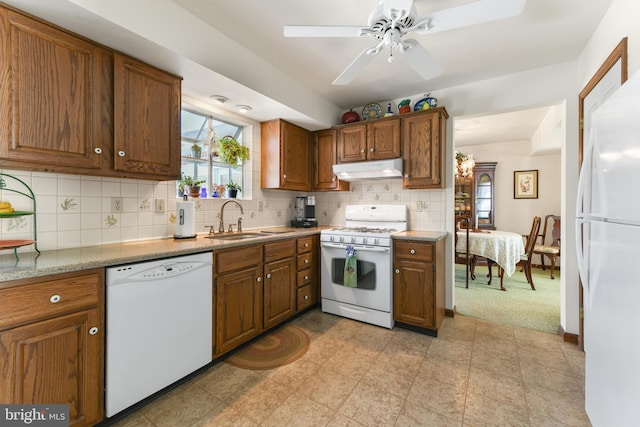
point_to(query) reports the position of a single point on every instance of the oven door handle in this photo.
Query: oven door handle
(357, 248)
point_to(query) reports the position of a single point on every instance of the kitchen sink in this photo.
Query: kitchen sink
(234, 236)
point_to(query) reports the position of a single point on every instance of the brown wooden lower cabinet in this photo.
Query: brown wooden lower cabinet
(238, 308)
(55, 355)
(418, 284)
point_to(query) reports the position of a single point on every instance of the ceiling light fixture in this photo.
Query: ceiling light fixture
(243, 108)
(219, 98)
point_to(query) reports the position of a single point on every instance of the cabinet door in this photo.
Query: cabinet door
(423, 139)
(414, 293)
(279, 291)
(147, 120)
(55, 108)
(57, 361)
(352, 143)
(295, 160)
(325, 156)
(238, 308)
(383, 139)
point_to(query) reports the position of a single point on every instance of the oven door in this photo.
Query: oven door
(373, 289)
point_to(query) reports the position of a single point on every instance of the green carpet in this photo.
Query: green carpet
(518, 306)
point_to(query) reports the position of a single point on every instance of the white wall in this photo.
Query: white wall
(516, 214)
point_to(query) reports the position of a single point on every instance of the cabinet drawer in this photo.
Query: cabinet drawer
(279, 250)
(305, 244)
(305, 297)
(305, 277)
(26, 303)
(413, 250)
(236, 259)
(305, 261)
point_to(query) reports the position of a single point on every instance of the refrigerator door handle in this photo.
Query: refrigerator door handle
(582, 265)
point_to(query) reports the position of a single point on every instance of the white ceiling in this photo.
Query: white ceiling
(242, 54)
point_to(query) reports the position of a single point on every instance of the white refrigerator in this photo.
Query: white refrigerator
(608, 241)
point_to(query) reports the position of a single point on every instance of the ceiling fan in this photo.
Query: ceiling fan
(392, 20)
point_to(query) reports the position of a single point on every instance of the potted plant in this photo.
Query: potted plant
(191, 184)
(233, 189)
(231, 151)
(196, 151)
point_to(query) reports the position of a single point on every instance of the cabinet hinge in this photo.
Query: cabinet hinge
(581, 123)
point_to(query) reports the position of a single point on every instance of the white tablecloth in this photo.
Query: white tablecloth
(503, 247)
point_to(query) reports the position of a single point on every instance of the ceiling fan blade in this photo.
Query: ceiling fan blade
(474, 13)
(361, 61)
(396, 9)
(321, 31)
(419, 59)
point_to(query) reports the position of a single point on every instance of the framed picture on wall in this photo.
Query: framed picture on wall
(525, 184)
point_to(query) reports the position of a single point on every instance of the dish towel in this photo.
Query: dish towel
(351, 268)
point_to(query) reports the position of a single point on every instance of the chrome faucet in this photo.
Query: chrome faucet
(221, 228)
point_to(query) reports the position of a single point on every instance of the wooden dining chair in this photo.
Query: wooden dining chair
(525, 259)
(464, 257)
(552, 249)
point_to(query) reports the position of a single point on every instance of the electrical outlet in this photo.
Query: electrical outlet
(160, 205)
(117, 204)
(260, 205)
(419, 206)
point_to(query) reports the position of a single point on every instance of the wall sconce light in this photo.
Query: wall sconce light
(243, 108)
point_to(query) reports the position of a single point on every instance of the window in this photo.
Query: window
(198, 151)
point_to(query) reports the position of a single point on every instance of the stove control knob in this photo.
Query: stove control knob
(364, 241)
(341, 239)
(376, 241)
(353, 240)
(331, 238)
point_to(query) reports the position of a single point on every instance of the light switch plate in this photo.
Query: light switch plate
(419, 206)
(160, 205)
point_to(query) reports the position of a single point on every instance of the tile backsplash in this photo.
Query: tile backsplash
(76, 211)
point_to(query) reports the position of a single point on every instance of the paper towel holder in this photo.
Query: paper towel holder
(181, 220)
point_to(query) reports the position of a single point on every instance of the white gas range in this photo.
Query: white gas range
(368, 230)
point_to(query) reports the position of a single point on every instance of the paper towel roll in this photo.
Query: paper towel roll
(185, 220)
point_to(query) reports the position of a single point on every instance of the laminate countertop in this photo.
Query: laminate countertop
(75, 259)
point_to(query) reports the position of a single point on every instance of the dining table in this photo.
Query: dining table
(500, 247)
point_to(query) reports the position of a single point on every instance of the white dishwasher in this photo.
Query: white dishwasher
(159, 326)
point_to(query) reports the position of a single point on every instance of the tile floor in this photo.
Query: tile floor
(476, 373)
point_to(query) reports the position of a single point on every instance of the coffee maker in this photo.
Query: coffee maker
(305, 212)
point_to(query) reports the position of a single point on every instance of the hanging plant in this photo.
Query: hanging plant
(231, 151)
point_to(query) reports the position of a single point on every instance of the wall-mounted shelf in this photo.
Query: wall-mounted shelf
(18, 187)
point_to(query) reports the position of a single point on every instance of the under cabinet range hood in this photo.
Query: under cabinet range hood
(375, 169)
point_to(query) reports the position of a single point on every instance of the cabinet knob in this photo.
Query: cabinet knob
(306, 261)
(306, 245)
(306, 277)
(269, 276)
(259, 279)
(362, 151)
(55, 298)
(371, 149)
(412, 251)
(93, 330)
(284, 176)
(97, 150)
(397, 271)
(306, 297)
(121, 153)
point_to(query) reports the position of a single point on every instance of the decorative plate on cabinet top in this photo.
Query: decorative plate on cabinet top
(371, 111)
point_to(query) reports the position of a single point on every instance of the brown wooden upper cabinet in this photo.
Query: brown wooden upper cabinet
(423, 142)
(61, 99)
(325, 156)
(285, 158)
(54, 91)
(147, 119)
(362, 141)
